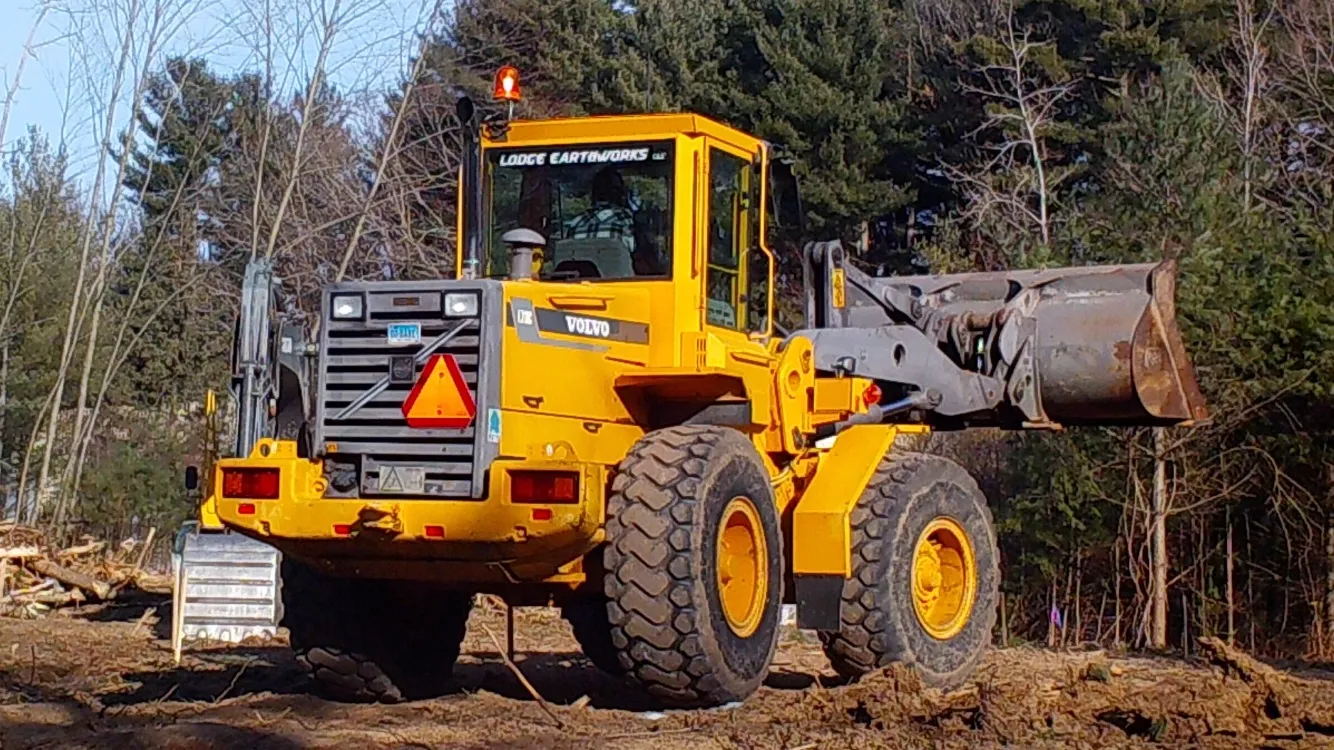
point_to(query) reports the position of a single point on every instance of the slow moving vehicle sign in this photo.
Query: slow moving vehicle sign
(441, 398)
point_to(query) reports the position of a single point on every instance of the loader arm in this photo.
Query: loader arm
(1095, 345)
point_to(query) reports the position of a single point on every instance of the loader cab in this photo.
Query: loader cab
(677, 205)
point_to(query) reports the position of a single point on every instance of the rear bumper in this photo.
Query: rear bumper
(384, 537)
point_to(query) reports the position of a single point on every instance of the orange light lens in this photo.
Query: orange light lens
(507, 85)
(251, 484)
(871, 395)
(544, 487)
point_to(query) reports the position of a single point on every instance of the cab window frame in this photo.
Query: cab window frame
(493, 252)
(747, 244)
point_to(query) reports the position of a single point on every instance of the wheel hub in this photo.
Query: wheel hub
(944, 578)
(743, 583)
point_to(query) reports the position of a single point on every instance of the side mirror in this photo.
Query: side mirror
(785, 211)
(464, 109)
(192, 478)
(758, 274)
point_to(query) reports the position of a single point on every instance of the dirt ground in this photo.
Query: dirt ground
(104, 678)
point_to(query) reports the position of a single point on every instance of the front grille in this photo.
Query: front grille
(369, 448)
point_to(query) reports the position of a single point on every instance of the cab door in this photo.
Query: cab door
(737, 277)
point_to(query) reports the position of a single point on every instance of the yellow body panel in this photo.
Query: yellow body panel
(492, 532)
(209, 520)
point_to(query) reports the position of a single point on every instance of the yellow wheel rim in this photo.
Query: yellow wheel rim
(944, 578)
(743, 572)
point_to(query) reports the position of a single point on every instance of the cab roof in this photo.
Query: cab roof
(597, 128)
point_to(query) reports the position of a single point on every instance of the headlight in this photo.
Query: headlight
(461, 305)
(347, 306)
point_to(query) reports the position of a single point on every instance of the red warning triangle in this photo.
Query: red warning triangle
(440, 398)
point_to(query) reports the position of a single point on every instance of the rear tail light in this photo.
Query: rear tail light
(250, 484)
(544, 487)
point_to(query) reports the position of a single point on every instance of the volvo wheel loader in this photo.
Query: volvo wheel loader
(598, 412)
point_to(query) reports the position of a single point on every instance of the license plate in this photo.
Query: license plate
(405, 333)
(408, 480)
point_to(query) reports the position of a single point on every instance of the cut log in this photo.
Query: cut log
(97, 588)
(48, 598)
(43, 586)
(86, 548)
(153, 584)
(143, 553)
(19, 553)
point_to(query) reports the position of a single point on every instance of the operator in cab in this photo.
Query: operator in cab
(606, 221)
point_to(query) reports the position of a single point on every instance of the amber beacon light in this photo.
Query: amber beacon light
(507, 84)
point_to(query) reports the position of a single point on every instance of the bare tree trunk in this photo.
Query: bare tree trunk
(1185, 625)
(1158, 523)
(1250, 587)
(4, 411)
(72, 325)
(1231, 600)
(1250, 46)
(256, 198)
(97, 295)
(1202, 578)
(1051, 615)
(1065, 615)
(1329, 558)
(12, 89)
(330, 25)
(31, 516)
(1116, 583)
(1079, 581)
(391, 141)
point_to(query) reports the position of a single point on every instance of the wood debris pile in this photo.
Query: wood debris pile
(37, 577)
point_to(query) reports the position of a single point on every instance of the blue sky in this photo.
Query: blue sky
(63, 88)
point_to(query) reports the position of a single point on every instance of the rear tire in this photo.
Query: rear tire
(368, 641)
(592, 629)
(694, 566)
(887, 614)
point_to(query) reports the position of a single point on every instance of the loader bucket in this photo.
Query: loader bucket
(1107, 347)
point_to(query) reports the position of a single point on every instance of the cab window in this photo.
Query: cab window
(737, 281)
(603, 210)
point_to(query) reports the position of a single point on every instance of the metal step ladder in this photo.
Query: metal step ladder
(227, 588)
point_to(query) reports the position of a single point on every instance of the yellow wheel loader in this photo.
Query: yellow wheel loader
(598, 412)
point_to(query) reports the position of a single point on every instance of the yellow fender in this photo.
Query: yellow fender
(821, 522)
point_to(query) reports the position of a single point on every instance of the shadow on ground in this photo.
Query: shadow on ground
(132, 605)
(566, 678)
(560, 678)
(214, 675)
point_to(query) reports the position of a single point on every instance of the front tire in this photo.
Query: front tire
(925, 574)
(694, 565)
(367, 641)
